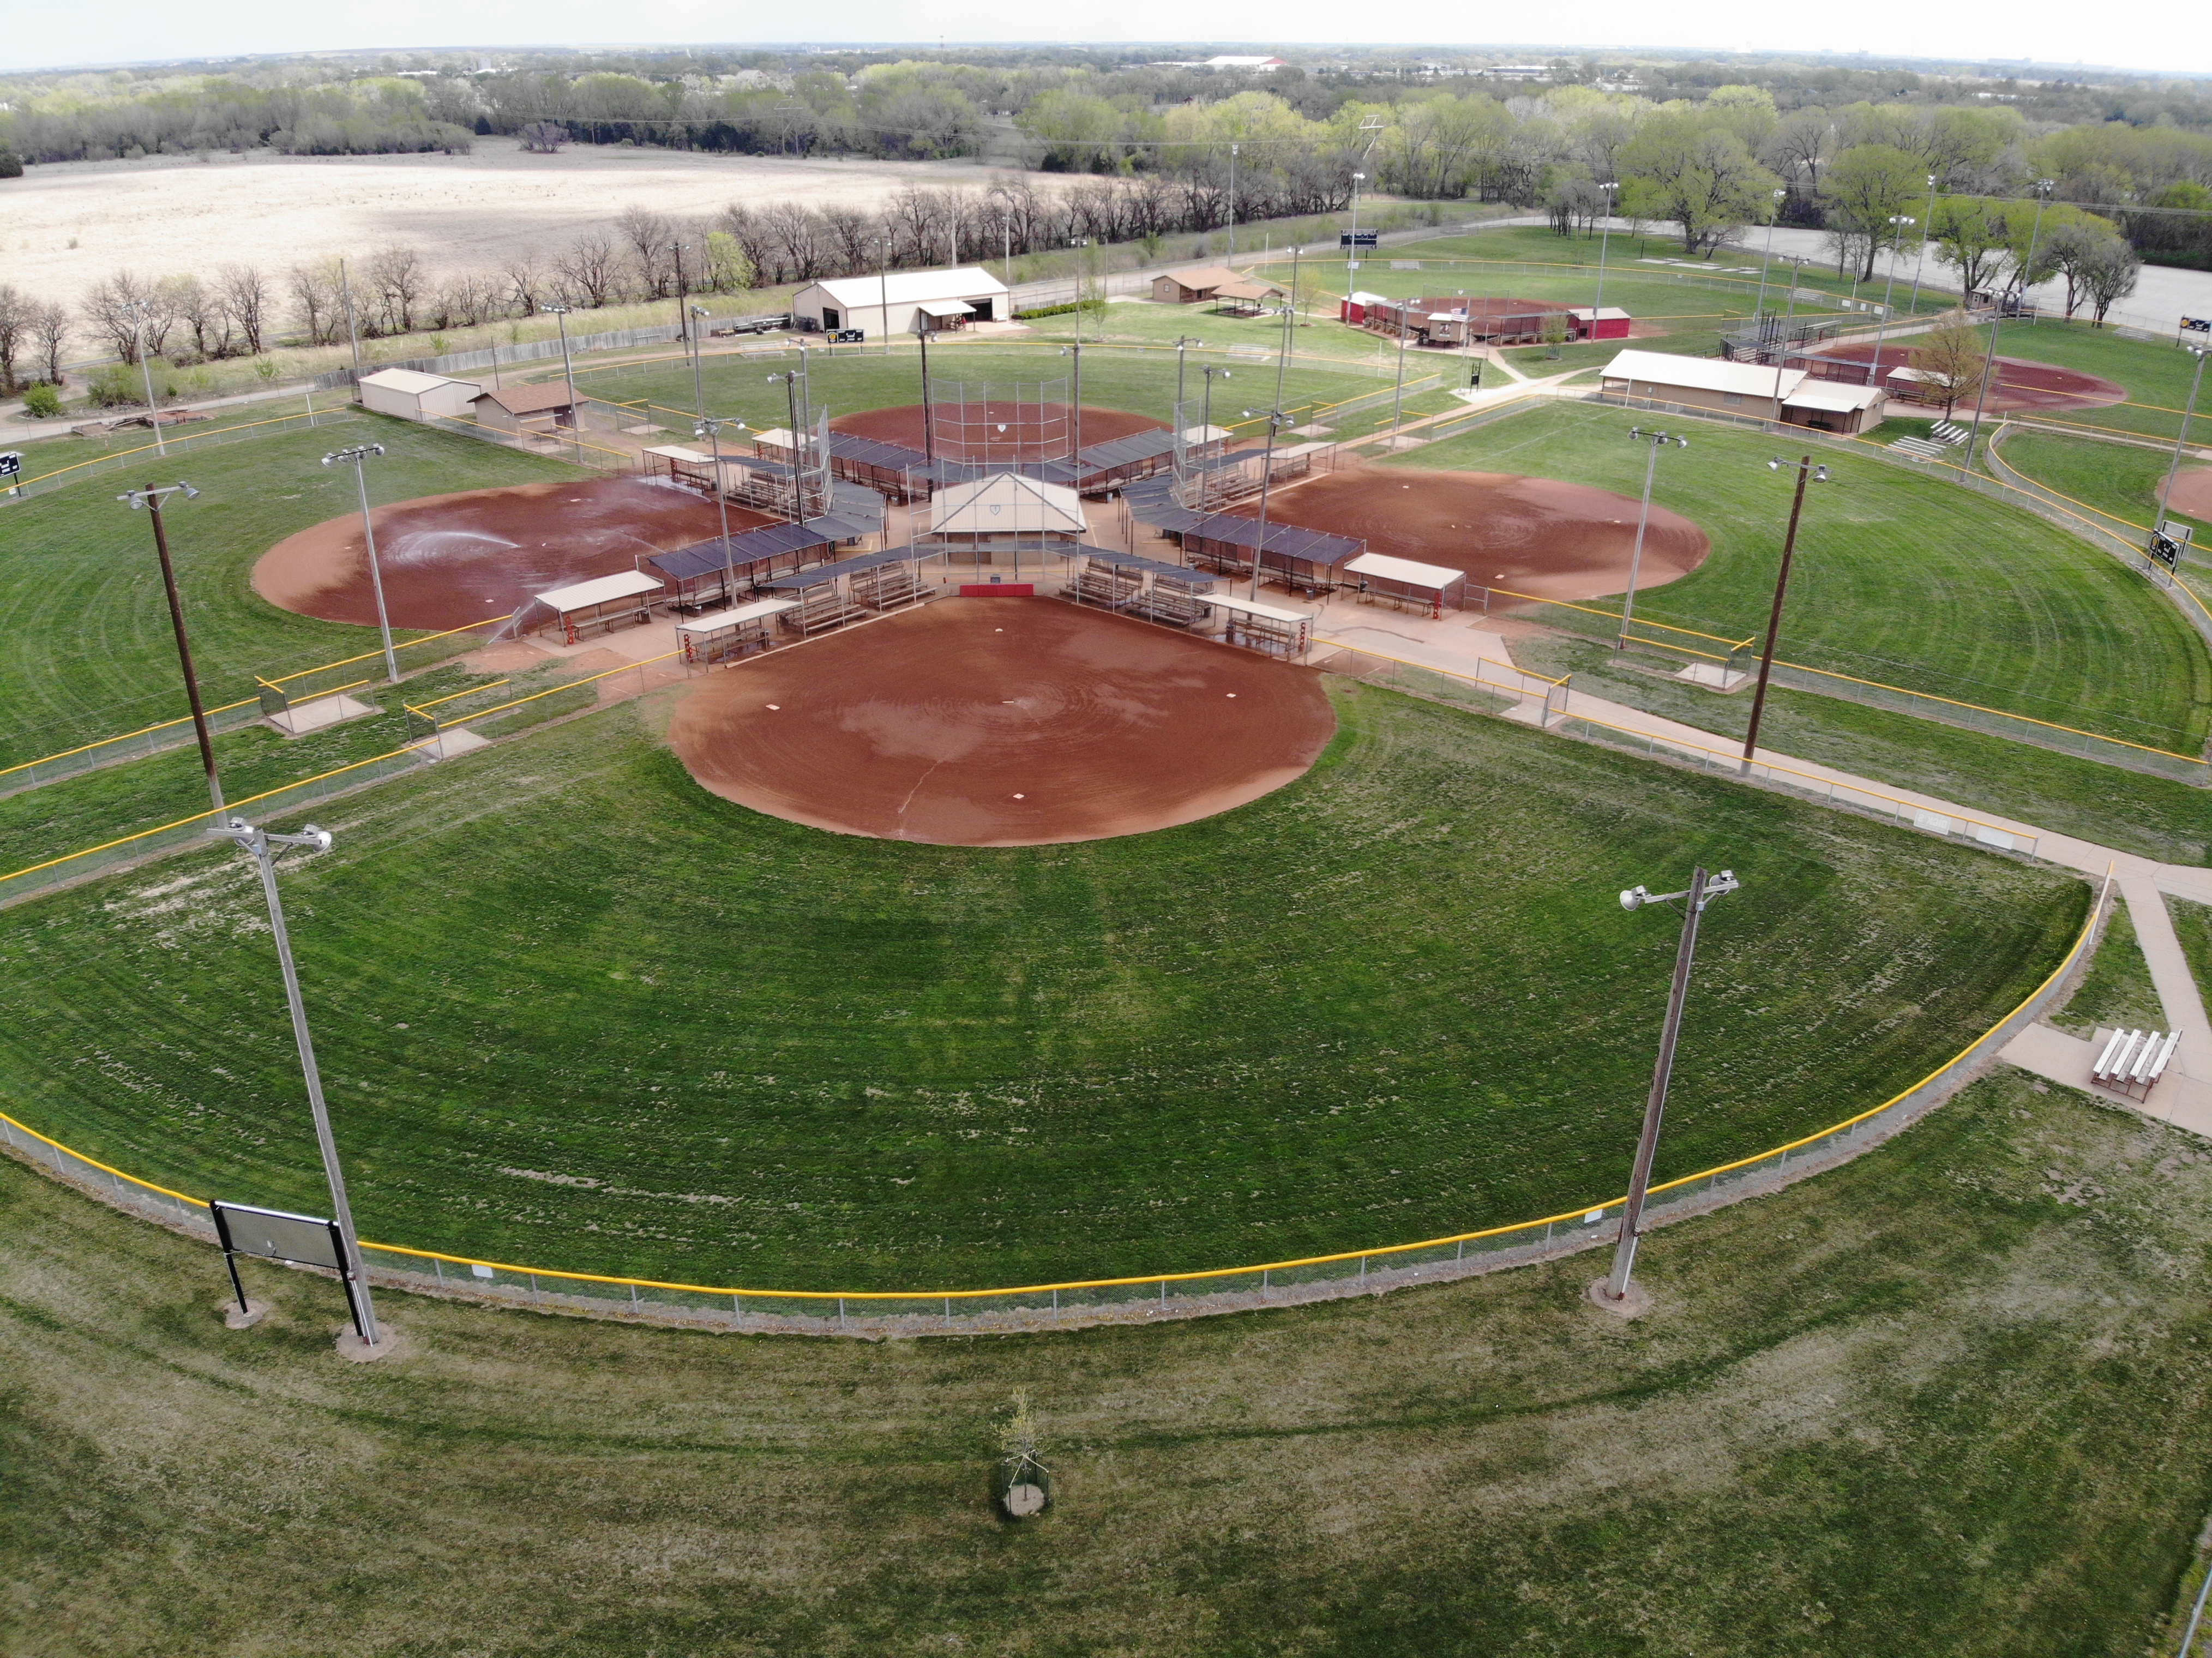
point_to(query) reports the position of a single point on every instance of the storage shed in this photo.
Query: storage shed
(526, 408)
(897, 302)
(412, 395)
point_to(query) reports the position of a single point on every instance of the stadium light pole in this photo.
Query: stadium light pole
(1276, 418)
(353, 333)
(1889, 289)
(1182, 342)
(261, 843)
(2166, 494)
(1232, 202)
(711, 429)
(1076, 352)
(1206, 425)
(683, 298)
(1398, 403)
(884, 289)
(1604, 238)
(1352, 253)
(698, 392)
(359, 454)
(790, 378)
(569, 373)
(1807, 472)
(1774, 212)
(150, 499)
(137, 309)
(1611, 1291)
(1654, 441)
(1920, 264)
(2043, 189)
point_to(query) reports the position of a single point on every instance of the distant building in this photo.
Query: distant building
(893, 304)
(1789, 396)
(1518, 72)
(1212, 282)
(526, 408)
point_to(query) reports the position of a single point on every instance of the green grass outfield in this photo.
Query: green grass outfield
(2155, 372)
(1900, 577)
(1952, 1401)
(2123, 481)
(576, 1012)
(86, 650)
(1135, 377)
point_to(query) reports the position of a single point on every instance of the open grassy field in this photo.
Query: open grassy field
(1136, 375)
(1899, 578)
(2155, 372)
(2159, 818)
(1954, 1400)
(85, 646)
(577, 1012)
(2120, 480)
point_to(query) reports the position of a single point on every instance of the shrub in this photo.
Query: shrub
(11, 165)
(42, 402)
(115, 385)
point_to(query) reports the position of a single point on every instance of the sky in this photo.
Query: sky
(2127, 33)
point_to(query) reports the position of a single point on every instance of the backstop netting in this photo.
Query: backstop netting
(981, 426)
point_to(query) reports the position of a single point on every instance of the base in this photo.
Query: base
(353, 1348)
(1634, 1305)
(254, 1313)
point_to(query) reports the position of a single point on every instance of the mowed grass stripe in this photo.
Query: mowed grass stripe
(1900, 577)
(574, 1011)
(86, 650)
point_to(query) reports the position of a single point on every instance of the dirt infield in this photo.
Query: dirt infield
(451, 560)
(1002, 722)
(1531, 535)
(2192, 494)
(2020, 384)
(1026, 437)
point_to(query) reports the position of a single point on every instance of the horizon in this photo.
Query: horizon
(2133, 40)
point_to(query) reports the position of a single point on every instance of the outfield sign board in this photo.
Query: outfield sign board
(11, 464)
(1356, 238)
(2196, 325)
(275, 1235)
(848, 336)
(2169, 540)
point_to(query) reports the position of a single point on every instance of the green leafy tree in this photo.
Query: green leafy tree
(1699, 177)
(1868, 185)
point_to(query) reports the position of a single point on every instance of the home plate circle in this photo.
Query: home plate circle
(910, 728)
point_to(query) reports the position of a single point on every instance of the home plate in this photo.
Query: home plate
(304, 717)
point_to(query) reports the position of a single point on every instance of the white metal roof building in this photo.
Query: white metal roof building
(412, 396)
(890, 303)
(1752, 390)
(1008, 504)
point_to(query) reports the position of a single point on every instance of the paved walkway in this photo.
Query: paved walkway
(1473, 646)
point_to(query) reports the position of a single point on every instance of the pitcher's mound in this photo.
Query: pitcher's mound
(1002, 722)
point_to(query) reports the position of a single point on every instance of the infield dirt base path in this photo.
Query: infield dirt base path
(1530, 535)
(2020, 384)
(2192, 493)
(1024, 439)
(451, 560)
(1002, 722)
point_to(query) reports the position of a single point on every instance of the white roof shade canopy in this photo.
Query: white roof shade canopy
(912, 286)
(1604, 312)
(945, 307)
(1257, 607)
(1008, 504)
(1833, 395)
(677, 452)
(1747, 379)
(1433, 576)
(407, 379)
(759, 609)
(601, 590)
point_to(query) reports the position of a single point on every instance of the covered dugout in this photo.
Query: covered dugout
(1430, 587)
(1275, 629)
(602, 604)
(725, 635)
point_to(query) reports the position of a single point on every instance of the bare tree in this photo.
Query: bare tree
(396, 270)
(124, 309)
(50, 333)
(246, 296)
(1952, 360)
(649, 235)
(525, 280)
(590, 267)
(199, 306)
(16, 308)
(2111, 275)
(316, 301)
(543, 137)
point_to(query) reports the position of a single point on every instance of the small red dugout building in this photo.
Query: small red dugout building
(1607, 323)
